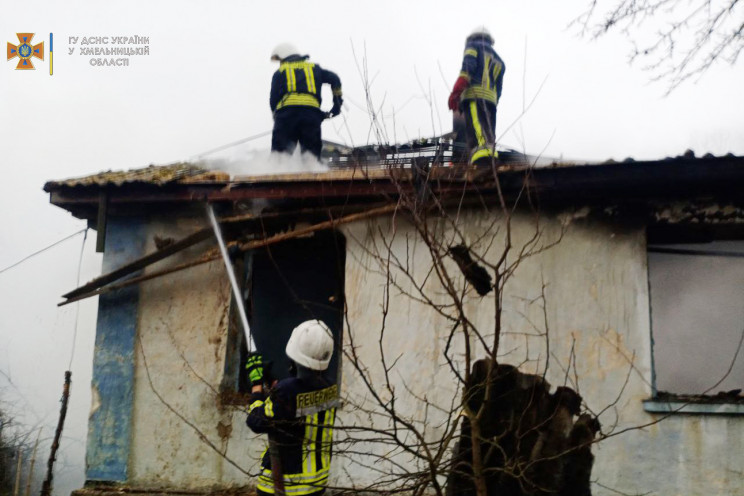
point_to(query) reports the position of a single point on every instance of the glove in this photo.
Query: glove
(254, 365)
(336, 109)
(454, 98)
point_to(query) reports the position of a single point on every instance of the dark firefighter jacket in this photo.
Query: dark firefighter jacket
(298, 82)
(299, 416)
(484, 70)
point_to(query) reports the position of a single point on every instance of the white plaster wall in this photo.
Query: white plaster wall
(596, 298)
(596, 304)
(182, 329)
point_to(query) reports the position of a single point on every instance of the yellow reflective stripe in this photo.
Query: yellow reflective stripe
(312, 75)
(266, 481)
(254, 405)
(306, 454)
(287, 74)
(310, 79)
(298, 490)
(324, 440)
(303, 490)
(302, 99)
(296, 65)
(312, 446)
(471, 51)
(485, 152)
(486, 77)
(496, 71)
(290, 67)
(294, 483)
(268, 407)
(265, 486)
(465, 75)
(337, 91)
(329, 446)
(307, 80)
(298, 478)
(479, 92)
(476, 124)
(327, 437)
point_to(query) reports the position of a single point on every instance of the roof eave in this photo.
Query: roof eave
(681, 178)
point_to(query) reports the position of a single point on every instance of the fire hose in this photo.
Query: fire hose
(276, 464)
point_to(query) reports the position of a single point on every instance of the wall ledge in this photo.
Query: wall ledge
(685, 407)
(114, 489)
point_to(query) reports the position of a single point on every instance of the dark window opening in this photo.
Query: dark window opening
(287, 284)
(697, 315)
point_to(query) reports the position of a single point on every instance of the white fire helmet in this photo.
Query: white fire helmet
(481, 32)
(283, 50)
(311, 345)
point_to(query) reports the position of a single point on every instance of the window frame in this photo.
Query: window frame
(233, 390)
(662, 239)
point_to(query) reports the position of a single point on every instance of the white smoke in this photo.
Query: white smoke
(264, 162)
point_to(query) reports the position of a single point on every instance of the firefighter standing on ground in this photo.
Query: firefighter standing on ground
(476, 94)
(295, 101)
(299, 412)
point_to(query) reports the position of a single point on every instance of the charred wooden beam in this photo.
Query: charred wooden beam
(192, 239)
(141, 263)
(101, 222)
(80, 294)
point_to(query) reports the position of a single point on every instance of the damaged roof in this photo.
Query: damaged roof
(152, 174)
(684, 177)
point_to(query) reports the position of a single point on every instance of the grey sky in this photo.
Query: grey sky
(205, 83)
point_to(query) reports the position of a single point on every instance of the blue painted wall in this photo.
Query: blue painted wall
(110, 425)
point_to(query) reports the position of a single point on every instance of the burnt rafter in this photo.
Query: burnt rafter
(339, 192)
(103, 284)
(559, 184)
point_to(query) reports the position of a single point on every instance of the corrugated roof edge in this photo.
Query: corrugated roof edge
(188, 173)
(152, 174)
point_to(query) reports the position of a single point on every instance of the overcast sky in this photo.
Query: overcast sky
(206, 82)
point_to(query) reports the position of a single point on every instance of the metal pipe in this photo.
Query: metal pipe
(276, 467)
(233, 281)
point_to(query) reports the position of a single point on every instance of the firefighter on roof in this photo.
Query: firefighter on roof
(295, 101)
(476, 94)
(299, 413)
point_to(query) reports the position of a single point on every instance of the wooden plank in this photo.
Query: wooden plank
(141, 263)
(192, 239)
(101, 222)
(329, 224)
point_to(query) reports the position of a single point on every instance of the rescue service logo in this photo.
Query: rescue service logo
(25, 51)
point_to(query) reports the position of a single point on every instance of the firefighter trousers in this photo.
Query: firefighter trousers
(480, 130)
(297, 124)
